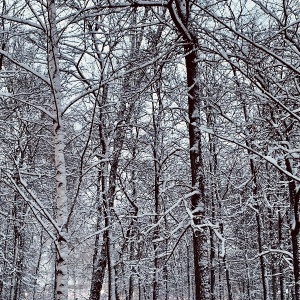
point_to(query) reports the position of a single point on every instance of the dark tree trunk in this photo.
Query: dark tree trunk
(98, 270)
(197, 171)
(295, 230)
(212, 259)
(179, 12)
(256, 206)
(227, 274)
(261, 258)
(100, 258)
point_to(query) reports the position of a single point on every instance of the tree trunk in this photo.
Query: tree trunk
(261, 258)
(180, 16)
(281, 276)
(61, 290)
(256, 206)
(227, 274)
(197, 171)
(295, 230)
(99, 265)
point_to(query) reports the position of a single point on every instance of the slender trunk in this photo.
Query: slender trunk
(19, 248)
(188, 273)
(61, 290)
(212, 257)
(131, 253)
(18, 213)
(132, 230)
(227, 274)
(281, 276)
(261, 258)
(248, 280)
(156, 125)
(228, 281)
(130, 289)
(155, 292)
(100, 257)
(257, 215)
(213, 199)
(37, 267)
(295, 230)
(272, 241)
(110, 262)
(296, 258)
(117, 281)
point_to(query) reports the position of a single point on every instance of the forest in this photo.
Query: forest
(149, 149)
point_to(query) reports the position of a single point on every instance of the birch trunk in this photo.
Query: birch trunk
(61, 276)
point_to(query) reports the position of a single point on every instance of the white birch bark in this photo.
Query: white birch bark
(61, 289)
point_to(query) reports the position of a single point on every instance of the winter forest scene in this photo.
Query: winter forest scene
(149, 149)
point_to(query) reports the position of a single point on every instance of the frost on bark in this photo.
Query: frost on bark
(180, 15)
(61, 270)
(198, 200)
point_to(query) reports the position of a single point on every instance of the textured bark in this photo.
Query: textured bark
(197, 167)
(18, 250)
(180, 16)
(155, 291)
(100, 258)
(156, 125)
(295, 230)
(281, 276)
(99, 266)
(213, 199)
(133, 230)
(61, 290)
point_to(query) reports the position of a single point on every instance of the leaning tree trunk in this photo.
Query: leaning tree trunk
(61, 276)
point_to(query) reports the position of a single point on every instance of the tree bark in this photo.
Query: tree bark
(197, 171)
(180, 16)
(281, 276)
(295, 230)
(61, 289)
